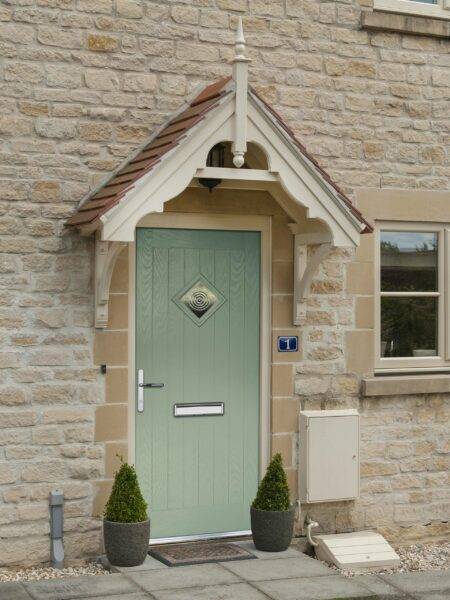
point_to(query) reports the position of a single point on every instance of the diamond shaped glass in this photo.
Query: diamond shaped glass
(199, 299)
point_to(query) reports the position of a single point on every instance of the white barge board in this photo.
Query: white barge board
(360, 550)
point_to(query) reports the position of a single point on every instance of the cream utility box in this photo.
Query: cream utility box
(329, 455)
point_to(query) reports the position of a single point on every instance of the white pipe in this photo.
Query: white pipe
(310, 524)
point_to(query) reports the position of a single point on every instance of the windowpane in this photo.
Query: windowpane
(408, 326)
(408, 261)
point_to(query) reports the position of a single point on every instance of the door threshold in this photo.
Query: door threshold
(198, 538)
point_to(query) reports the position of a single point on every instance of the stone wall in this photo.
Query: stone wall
(83, 83)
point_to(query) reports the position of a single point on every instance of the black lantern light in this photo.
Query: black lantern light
(216, 158)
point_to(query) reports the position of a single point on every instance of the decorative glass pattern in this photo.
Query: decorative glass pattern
(199, 299)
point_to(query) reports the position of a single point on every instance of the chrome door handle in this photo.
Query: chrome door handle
(141, 387)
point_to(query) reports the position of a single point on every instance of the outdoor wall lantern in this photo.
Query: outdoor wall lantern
(216, 158)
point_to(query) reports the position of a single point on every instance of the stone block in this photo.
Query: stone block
(375, 468)
(102, 43)
(64, 76)
(130, 9)
(44, 470)
(12, 396)
(360, 351)
(111, 347)
(23, 71)
(55, 128)
(56, 36)
(311, 386)
(282, 384)
(101, 79)
(111, 422)
(139, 82)
(116, 385)
(95, 132)
(47, 436)
(173, 84)
(95, 6)
(197, 52)
(285, 413)
(7, 474)
(282, 311)
(283, 444)
(185, 14)
(22, 418)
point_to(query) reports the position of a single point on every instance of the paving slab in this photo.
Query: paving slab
(420, 581)
(234, 591)
(444, 595)
(183, 577)
(149, 564)
(333, 587)
(132, 596)
(286, 568)
(379, 586)
(13, 591)
(248, 545)
(80, 587)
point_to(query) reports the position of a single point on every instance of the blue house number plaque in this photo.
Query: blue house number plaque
(287, 343)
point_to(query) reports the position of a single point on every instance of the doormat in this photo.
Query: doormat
(197, 553)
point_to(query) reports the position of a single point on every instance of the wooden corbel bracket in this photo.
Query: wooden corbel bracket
(305, 268)
(106, 254)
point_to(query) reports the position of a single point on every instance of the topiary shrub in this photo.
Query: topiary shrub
(273, 491)
(126, 503)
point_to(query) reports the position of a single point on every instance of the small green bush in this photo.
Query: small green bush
(126, 503)
(273, 491)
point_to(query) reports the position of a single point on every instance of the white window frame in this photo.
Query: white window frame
(420, 363)
(441, 10)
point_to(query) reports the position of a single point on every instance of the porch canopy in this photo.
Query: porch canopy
(266, 155)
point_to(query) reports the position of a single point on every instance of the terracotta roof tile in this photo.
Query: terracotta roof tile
(168, 138)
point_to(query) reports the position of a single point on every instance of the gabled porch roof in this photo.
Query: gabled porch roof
(227, 110)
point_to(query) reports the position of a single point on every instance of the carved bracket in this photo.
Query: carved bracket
(106, 254)
(305, 268)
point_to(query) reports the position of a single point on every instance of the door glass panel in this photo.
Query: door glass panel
(408, 327)
(199, 299)
(408, 261)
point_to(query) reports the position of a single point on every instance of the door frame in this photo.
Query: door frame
(221, 222)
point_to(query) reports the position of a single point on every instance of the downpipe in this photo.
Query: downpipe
(56, 507)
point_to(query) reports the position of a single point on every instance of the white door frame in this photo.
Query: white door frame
(223, 222)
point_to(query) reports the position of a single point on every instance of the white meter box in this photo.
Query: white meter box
(329, 455)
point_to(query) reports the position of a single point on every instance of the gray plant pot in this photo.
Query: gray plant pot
(272, 530)
(126, 544)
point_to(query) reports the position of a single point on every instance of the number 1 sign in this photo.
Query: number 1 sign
(287, 343)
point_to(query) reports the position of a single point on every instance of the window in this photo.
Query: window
(439, 9)
(411, 297)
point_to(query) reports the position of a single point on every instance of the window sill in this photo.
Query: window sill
(387, 21)
(406, 385)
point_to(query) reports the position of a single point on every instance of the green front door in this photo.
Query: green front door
(197, 331)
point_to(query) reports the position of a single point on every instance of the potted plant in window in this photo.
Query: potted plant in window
(272, 516)
(126, 526)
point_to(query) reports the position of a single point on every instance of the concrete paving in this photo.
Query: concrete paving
(289, 575)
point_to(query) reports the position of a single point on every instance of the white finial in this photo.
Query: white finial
(240, 76)
(239, 42)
